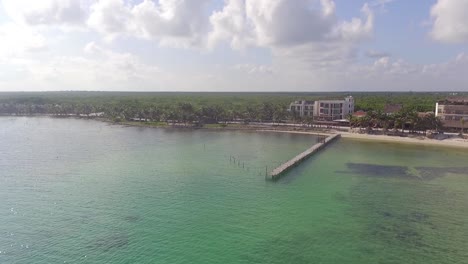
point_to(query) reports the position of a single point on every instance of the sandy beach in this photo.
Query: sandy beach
(449, 142)
(452, 141)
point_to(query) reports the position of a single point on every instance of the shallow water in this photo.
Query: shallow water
(80, 191)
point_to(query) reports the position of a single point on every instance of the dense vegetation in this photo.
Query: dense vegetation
(200, 108)
(403, 119)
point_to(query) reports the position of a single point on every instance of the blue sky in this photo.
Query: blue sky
(233, 45)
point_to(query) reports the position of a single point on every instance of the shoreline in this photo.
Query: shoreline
(424, 141)
(449, 142)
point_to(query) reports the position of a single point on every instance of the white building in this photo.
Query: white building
(453, 112)
(324, 110)
(329, 110)
(302, 108)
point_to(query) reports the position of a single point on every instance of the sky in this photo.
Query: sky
(234, 45)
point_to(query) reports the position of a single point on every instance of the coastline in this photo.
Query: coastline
(449, 142)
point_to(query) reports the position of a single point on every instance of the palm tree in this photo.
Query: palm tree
(413, 119)
(267, 112)
(251, 113)
(279, 114)
(433, 122)
(384, 121)
(309, 120)
(187, 112)
(295, 116)
(364, 121)
(401, 118)
(352, 120)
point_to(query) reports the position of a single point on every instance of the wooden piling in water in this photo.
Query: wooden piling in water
(283, 168)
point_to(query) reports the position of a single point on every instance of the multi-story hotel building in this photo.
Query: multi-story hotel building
(453, 112)
(302, 108)
(324, 110)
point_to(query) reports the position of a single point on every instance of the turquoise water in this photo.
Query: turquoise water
(77, 191)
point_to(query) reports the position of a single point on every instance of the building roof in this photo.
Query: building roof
(454, 100)
(302, 101)
(360, 113)
(392, 108)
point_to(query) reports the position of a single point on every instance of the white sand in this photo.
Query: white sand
(449, 142)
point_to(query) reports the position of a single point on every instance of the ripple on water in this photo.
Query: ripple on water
(110, 242)
(132, 218)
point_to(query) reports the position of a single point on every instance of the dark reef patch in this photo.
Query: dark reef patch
(429, 173)
(418, 173)
(378, 170)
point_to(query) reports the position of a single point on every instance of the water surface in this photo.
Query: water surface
(80, 191)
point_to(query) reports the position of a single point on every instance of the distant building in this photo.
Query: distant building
(324, 110)
(302, 108)
(390, 109)
(329, 110)
(452, 111)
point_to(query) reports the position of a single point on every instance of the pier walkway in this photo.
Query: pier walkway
(281, 170)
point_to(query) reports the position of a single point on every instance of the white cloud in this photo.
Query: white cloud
(283, 23)
(357, 29)
(231, 24)
(173, 19)
(98, 69)
(110, 18)
(17, 40)
(381, 4)
(46, 12)
(385, 74)
(105, 65)
(450, 22)
(309, 46)
(178, 22)
(271, 22)
(302, 35)
(400, 75)
(376, 54)
(254, 69)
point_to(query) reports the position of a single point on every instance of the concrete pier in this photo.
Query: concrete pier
(281, 170)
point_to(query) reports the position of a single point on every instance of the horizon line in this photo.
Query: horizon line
(344, 91)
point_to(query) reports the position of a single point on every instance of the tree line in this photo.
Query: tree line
(404, 119)
(206, 108)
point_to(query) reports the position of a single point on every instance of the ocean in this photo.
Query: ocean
(81, 191)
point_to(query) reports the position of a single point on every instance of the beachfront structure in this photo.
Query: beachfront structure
(453, 112)
(324, 110)
(302, 108)
(330, 110)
